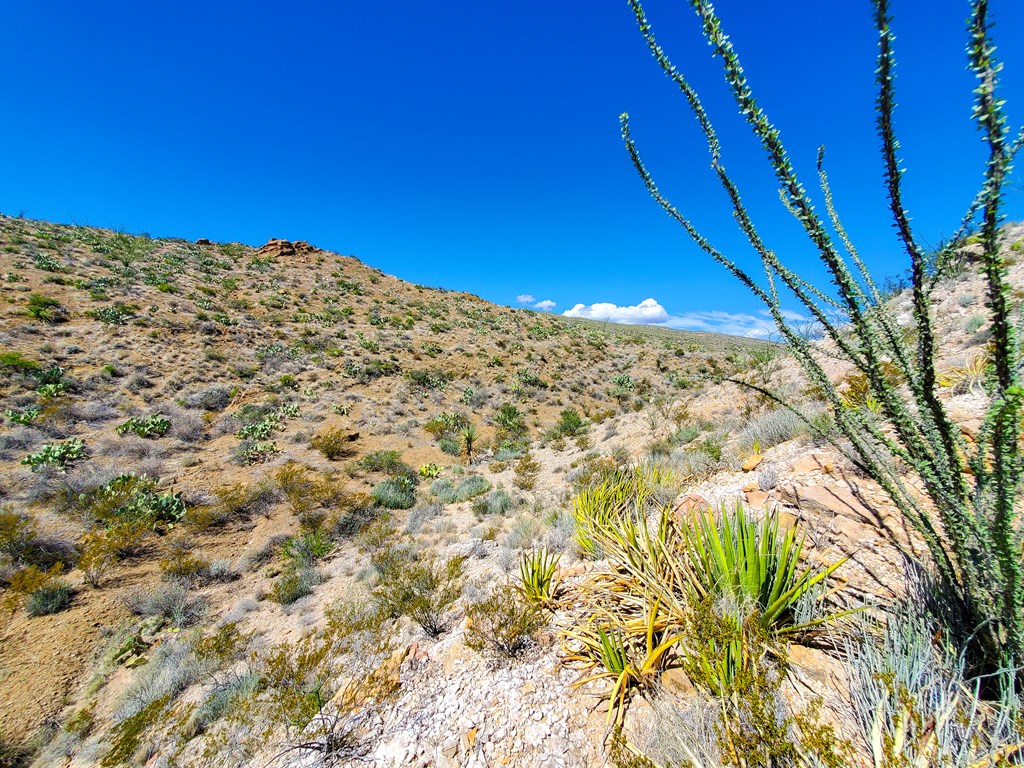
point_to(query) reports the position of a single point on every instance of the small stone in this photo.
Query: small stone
(756, 499)
(752, 462)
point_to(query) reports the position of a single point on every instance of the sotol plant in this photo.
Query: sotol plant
(970, 520)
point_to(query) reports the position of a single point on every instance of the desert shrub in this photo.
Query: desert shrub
(307, 548)
(467, 488)
(386, 461)
(57, 454)
(373, 369)
(19, 535)
(172, 601)
(527, 469)
(310, 494)
(912, 701)
(497, 502)
(117, 313)
(421, 514)
(445, 425)
(102, 548)
(450, 446)
(772, 428)
(351, 513)
(45, 309)
(570, 424)
(511, 423)
(173, 667)
(225, 696)
(430, 379)
(421, 588)
(397, 492)
(972, 490)
(974, 324)
(334, 444)
(132, 500)
(233, 503)
(51, 598)
(181, 562)
(156, 425)
(295, 584)
(503, 622)
(214, 399)
(17, 363)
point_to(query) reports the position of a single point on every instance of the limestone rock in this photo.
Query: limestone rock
(832, 500)
(752, 462)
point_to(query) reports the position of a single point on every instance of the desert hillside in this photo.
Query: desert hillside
(232, 365)
(272, 506)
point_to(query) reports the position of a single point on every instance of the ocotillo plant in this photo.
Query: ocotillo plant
(970, 519)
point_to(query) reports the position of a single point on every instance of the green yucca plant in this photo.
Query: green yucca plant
(537, 576)
(970, 520)
(732, 555)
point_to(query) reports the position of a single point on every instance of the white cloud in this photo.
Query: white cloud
(525, 298)
(647, 312)
(759, 325)
(545, 306)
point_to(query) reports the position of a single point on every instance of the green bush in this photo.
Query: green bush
(570, 423)
(15, 362)
(46, 309)
(388, 462)
(397, 492)
(511, 424)
(450, 446)
(334, 443)
(503, 622)
(307, 548)
(294, 585)
(497, 502)
(468, 487)
(421, 588)
(51, 598)
(430, 379)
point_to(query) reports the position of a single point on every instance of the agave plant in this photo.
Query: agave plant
(731, 555)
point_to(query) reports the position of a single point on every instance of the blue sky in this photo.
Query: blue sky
(475, 146)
